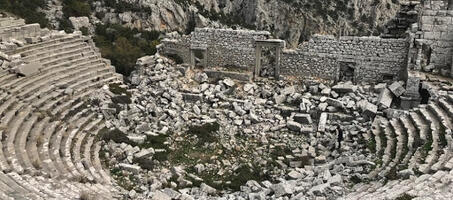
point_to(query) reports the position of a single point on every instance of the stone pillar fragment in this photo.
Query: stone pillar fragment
(257, 61)
(277, 63)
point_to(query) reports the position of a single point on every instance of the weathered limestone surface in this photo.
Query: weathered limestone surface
(372, 58)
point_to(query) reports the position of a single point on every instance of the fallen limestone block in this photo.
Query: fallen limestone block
(385, 98)
(369, 110)
(132, 168)
(344, 88)
(322, 122)
(192, 97)
(282, 189)
(303, 118)
(208, 189)
(139, 139)
(334, 103)
(397, 89)
(28, 69)
(306, 129)
(145, 153)
(294, 126)
(158, 195)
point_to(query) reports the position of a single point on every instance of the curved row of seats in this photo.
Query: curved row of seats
(422, 141)
(47, 130)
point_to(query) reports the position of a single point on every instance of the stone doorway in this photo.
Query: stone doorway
(347, 70)
(268, 62)
(267, 58)
(198, 57)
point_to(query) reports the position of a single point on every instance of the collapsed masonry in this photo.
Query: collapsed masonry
(357, 59)
(426, 46)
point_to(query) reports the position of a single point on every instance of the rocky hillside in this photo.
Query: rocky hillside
(293, 20)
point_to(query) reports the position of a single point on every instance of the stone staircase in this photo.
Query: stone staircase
(422, 141)
(48, 146)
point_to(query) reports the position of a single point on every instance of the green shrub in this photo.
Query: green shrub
(26, 9)
(116, 89)
(123, 46)
(121, 99)
(76, 8)
(84, 31)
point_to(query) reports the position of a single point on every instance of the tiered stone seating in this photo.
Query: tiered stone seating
(423, 143)
(47, 133)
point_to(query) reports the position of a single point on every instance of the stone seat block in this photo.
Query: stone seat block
(20, 144)
(56, 39)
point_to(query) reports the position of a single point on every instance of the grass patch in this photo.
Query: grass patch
(205, 133)
(372, 145)
(121, 99)
(116, 89)
(123, 46)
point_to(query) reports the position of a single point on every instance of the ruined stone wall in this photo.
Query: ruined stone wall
(228, 47)
(20, 33)
(436, 26)
(302, 63)
(180, 47)
(373, 58)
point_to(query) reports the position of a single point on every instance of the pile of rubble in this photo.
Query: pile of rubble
(283, 133)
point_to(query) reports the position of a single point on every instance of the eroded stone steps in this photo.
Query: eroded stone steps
(399, 151)
(63, 56)
(412, 135)
(44, 149)
(71, 80)
(20, 144)
(10, 133)
(57, 81)
(58, 38)
(17, 84)
(21, 191)
(54, 150)
(52, 54)
(54, 47)
(78, 151)
(33, 143)
(390, 144)
(7, 78)
(448, 108)
(13, 26)
(67, 142)
(62, 70)
(433, 138)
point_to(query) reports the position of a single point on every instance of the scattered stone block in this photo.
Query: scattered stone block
(158, 195)
(334, 103)
(322, 122)
(207, 189)
(397, 89)
(28, 69)
(139, 139)
(145, 153)
(344, 88)
(369, 110)
(132, 168)
(190, 97)
(385, 98)
(294, 126)
(282, 189)
(294, 174)
(302, 118)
